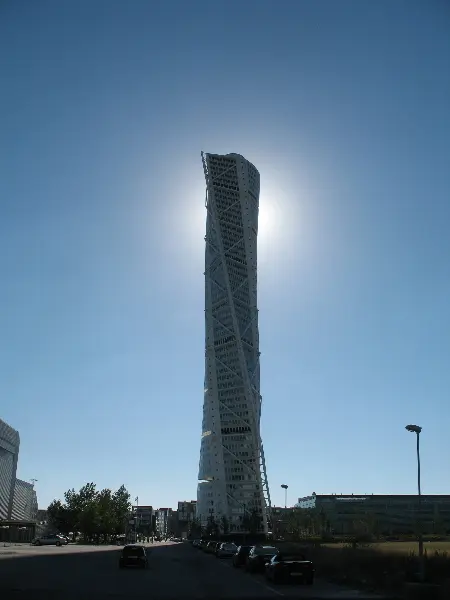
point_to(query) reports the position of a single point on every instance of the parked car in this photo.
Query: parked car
(203, 545)
(258, 557)
(52, 539)
(287, 567)
(225, 550)
(240, 556)
(133, 555)
(65, 538)
(211, 547)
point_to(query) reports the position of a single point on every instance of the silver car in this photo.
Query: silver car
(52, 539)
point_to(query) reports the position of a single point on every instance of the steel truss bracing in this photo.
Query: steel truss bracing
(232, 463)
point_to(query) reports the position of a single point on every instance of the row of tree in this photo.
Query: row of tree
(251, 523)
(97, 515)
(306, 522)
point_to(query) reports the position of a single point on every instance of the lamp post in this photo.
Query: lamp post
(285, 488)
(136, 520)
(416, 429)
(33, 508)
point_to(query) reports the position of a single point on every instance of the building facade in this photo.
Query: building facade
(162, 521)
(381, 514)
(9, 455)
(186, 513)
(232, 471)
(25, 506)
(144, 516)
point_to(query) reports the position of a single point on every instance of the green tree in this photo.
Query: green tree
(94, 514)
(296, 522)
(60, 517)
(195, 527)
(225, 524)
(121, 509)
(251, 522)
(105, 513)
(212, 527)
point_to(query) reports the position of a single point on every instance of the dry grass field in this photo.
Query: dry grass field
(403, 547)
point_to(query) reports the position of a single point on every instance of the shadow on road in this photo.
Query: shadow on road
(176, 571)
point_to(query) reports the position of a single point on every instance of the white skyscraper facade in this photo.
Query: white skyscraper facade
(232, 473)
(9, 455)
(25, 504)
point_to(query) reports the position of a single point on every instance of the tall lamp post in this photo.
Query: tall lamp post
(136, 519)
(285, 488)
(416, 429)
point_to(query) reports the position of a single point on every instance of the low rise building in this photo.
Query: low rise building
(141, 522)
(144, 516)
(381, 513)
(163, 516)
(186, 514)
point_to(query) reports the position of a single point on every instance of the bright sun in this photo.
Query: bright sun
(268, 218)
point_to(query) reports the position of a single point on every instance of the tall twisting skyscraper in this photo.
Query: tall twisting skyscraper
(232, 473)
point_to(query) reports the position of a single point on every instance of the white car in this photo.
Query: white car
(53, 539)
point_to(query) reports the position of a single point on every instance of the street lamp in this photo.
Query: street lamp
(416, 429)
(285, 488)
(136, 519)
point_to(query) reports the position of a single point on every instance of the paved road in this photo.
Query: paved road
(176, 571)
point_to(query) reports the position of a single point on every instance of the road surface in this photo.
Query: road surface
(177, 571)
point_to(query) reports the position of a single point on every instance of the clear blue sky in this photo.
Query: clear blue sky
(344, 109)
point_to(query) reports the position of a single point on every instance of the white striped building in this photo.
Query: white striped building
(25, 504)
(9, 455)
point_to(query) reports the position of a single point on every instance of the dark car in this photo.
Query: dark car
(240, 556)
(258, 557)
(211, 547)
(289, 567)
(133, 555)
(203, 545)
(225, 550)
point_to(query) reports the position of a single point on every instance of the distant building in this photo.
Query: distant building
(186, 513)
(163, 516)
(280, 520)
(9, 455)
(25, 506)
(381, 514)
(173, 525)
(144, 516)
(42, 516)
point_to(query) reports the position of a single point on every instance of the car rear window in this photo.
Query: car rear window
(266, 550)
(228, 546)
(134, 550)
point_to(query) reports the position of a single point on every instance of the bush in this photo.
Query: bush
(367, 567)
